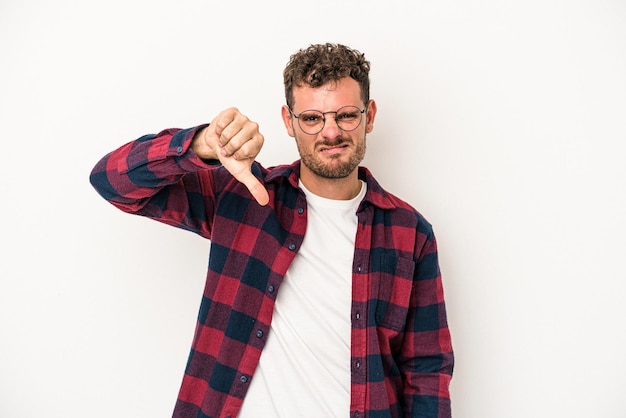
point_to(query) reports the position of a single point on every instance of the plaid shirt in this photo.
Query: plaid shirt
(401, 352)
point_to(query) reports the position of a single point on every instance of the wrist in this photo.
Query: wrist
(200, 145)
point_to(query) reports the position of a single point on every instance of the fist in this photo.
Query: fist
(235, 141)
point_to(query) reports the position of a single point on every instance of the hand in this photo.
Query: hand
(235, 141)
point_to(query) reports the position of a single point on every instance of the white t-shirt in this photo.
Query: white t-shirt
(304, 370)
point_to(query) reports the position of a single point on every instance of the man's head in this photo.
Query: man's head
(324, 63)
(328, 112)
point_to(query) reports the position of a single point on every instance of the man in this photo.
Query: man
(323, 295)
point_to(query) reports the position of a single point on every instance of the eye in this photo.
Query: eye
(311, 118)
(348, 116)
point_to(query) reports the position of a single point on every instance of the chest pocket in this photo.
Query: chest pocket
(392, 286)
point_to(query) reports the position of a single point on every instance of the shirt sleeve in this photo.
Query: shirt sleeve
(160, 177)
(427, 358)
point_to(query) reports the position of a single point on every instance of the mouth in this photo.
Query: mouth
(327, 149)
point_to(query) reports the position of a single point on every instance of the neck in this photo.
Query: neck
(337, 189)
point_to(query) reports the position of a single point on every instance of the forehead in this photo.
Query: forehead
(328, 97)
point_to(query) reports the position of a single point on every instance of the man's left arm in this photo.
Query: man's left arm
(426, 358)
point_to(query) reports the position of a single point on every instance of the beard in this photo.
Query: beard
(332, 167)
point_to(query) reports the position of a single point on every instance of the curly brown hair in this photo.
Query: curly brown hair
(323, 63)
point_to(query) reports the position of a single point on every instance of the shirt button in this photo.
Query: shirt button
(271, 288)
(292, 247)
(358, 365)
(300, 211)
(259, 333)
(358, 269)
(243, 379)
(179, 150)
(358, 315)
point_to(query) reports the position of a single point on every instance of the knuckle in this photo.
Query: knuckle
(230, 148)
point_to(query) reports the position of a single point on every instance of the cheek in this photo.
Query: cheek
(305, 145)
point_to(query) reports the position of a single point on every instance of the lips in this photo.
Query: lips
(332, 149)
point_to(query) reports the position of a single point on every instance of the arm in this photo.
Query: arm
(427, 358)
(158, 176)
(168, 177)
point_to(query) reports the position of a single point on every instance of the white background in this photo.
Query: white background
(503, 122)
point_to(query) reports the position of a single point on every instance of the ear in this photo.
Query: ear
(370, 116)
(288, 120)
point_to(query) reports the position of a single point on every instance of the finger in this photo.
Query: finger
(245, 137)
(250, 149)
(256, 188)
(223, 123)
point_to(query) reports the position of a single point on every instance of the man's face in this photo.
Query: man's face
(332, 153)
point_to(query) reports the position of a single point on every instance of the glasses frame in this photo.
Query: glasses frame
(361, 111)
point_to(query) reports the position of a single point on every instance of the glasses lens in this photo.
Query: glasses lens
(348, 118)
(311, 121)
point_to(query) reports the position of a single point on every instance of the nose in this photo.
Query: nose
(330, 130)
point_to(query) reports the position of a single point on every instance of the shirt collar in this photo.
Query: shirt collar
(375, 194)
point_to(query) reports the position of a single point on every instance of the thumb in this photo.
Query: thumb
(256, 188)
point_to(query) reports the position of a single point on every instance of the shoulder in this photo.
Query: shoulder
(398, 210)
(407, 212)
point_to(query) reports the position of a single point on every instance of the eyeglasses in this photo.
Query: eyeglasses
(348, 118)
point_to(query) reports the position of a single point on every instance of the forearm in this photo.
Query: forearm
(427, 358)
(427, 377)
(155, 175)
